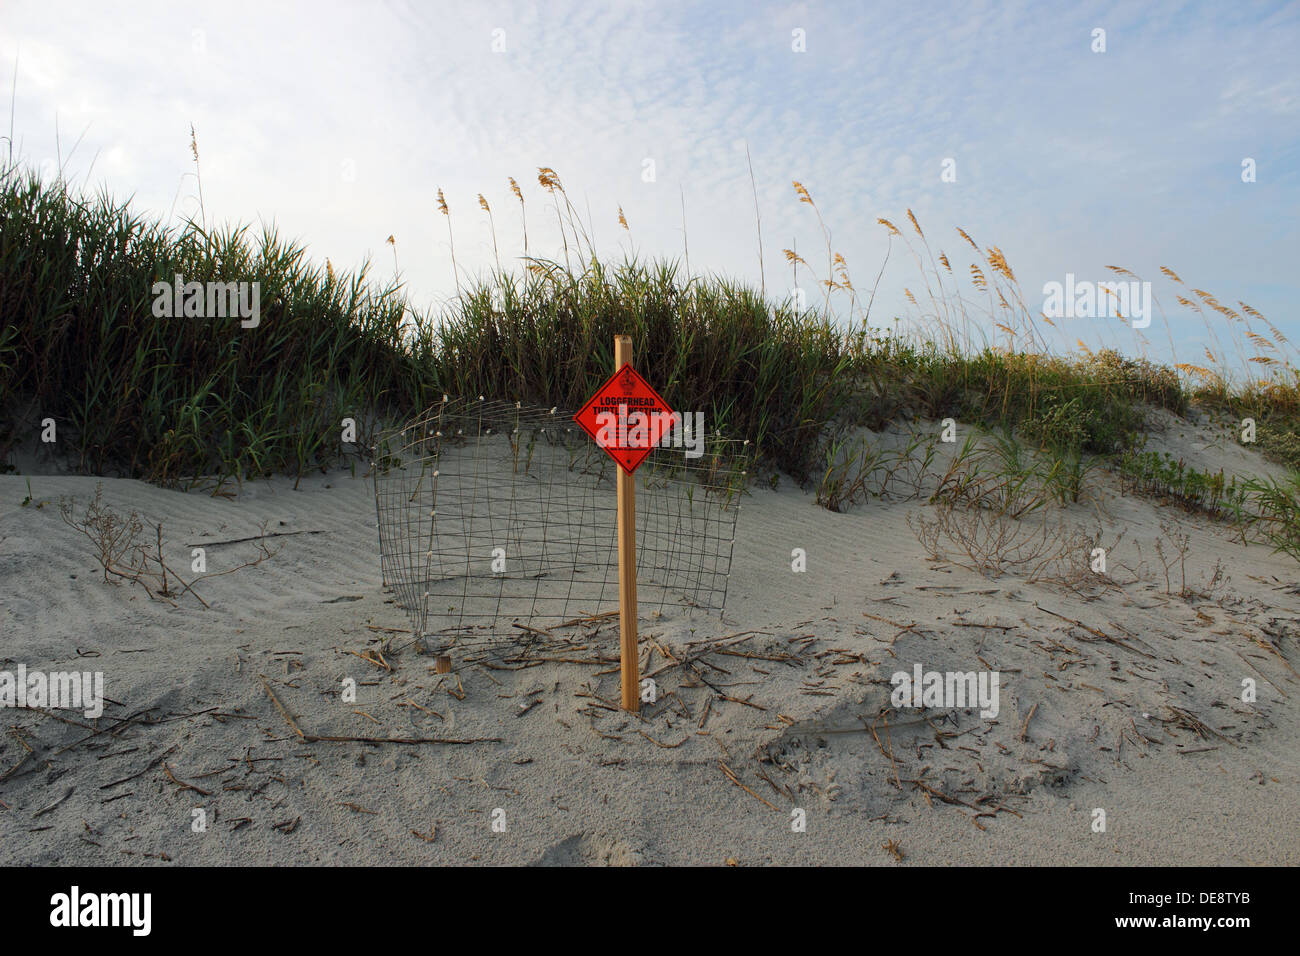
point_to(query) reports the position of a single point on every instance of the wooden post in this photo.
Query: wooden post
(629, 659)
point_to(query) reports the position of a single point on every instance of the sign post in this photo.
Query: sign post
(627, 418)
(629, 653)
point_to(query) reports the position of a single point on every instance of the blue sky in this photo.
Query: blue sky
(339, 122)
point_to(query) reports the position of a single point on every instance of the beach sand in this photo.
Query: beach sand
(1122, 697)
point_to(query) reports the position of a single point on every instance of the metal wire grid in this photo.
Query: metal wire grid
(499, 519)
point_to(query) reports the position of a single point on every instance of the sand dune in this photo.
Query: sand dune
(1118, 696)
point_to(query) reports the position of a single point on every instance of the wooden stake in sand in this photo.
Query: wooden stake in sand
(627, 643)
(627, 418)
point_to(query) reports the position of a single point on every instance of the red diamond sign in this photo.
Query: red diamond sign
(626, 417)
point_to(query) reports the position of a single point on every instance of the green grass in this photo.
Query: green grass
(182, 401)
(168, 400)
(756, 371)
(1163, 475)
(1278, 512)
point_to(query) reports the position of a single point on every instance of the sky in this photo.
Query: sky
(1068, 149)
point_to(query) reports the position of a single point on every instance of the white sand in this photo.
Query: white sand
(582, 783)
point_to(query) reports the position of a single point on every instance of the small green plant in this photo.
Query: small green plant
(1280, 444)
(1063, 426)
(1003, 476)
(1095, 420)
(846, 478)
(1065, 476)
(1277, 512)
(1207, 492)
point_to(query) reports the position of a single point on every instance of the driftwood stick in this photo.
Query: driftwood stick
(736, 780)
(152, 763)
(183, 785)
(1263, 675)
(1024, 728)
(256, 537)
(280, 707)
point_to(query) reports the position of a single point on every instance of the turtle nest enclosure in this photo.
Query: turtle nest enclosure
(497, 521)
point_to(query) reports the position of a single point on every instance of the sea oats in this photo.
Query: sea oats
(998, 261)
(442, 207)
(1198, 370)
(843, 265)
(514, 188)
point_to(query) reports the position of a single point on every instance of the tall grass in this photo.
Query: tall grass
(170, 400)
(756, 371)
(176, 400)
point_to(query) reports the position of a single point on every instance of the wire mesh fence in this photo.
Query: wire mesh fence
(498, 520)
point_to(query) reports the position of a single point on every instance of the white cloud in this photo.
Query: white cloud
(1067, 160)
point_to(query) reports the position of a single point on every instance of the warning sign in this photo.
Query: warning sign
(626, 417)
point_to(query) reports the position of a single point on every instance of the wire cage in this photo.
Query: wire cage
(498, 520)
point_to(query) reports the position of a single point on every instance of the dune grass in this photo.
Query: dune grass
(184, 400)
(169, 400)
